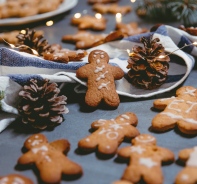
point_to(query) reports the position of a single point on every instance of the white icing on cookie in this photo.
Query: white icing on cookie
(192, 104)
(137, 149)
(42, 148)
(99, 69)
(184, 177)
(141, 139)
(175, 102)
(192, 161)
(190, 91)
(103, 85)
(4, 180)
(101, 76)
(148, 162)
(179, 117)
(125, 116)
(18, 180)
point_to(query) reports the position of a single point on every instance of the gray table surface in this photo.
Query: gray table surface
(77, 122)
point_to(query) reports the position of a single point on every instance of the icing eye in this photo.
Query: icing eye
(36, 136)
(94, 56)
(102, 56)
(29, 140)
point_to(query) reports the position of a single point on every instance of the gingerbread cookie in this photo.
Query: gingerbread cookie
(188, 174)
(180, 110)
(100, 79)
(11, 37)
(14, 179)
(49, 158)
(101, 1)
(116, 35)
(111, 8)
(190, 30)
(83, 39)
(65, 55)
(130, 29)
(89, 22)
(109, 134)
(21, 8)
(122, 182)
(145, 160)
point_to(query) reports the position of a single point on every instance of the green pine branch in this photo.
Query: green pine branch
(1, 97)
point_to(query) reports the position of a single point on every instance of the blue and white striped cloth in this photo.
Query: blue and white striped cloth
(16, 68)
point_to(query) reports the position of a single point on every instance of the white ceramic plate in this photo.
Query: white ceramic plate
(65, 6)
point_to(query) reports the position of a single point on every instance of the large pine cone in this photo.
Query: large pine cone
(34, 40)
(149, 65)
(41, 107)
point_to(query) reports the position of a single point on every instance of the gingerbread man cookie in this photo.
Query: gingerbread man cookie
(49, 158)
(188, 174)
(89, 22)
(145, 160)
(111, 8)
(100, 79)
(83, 39)
(130, 29)
(122, 182)
(180, 110)
(65, 55)
(110, 133)
(14, 179)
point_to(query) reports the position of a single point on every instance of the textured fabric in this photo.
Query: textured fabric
(16, 68)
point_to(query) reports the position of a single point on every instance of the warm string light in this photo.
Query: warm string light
(163, 56)
(133, 1)
(118, 17)
(98, 15)
(49, 23)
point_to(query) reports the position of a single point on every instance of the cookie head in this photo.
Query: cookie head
(98, 56)
(144, 139)
(35, 140)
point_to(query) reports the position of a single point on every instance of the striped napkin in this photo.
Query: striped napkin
(17, 68)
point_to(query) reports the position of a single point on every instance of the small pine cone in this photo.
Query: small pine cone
(33, 40)
(41, 107)
(149, 65)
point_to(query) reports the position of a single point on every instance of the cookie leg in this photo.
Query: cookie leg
(187, 176)
(187, 128)
(93, 98)
(163, 122)
(132, 174)
(50, 174)
(153, 176)
(108, 147)
(112, 99)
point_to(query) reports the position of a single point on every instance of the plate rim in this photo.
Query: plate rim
(65, 6)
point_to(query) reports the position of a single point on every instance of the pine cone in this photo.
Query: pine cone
(149, 65)
(33, 40)
(41, 107)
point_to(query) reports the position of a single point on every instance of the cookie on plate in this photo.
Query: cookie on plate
(130, 29)
(83, 39)
(89, 22)
(111, 8)
(177, 111)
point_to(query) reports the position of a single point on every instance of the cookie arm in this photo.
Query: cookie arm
(83, 72)
(27, 158)
(161, 104)
(166, 154)
(124, 153)
(184, 154)
(117, 72)
(61, 145)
